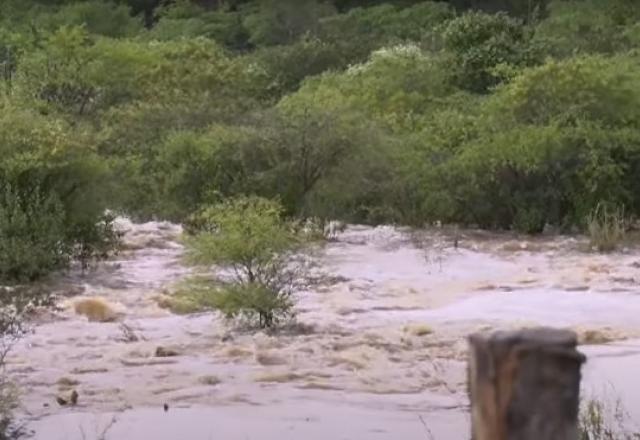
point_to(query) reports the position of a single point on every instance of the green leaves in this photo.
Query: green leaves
(276, 22)
(249, 235)
(32, 231)
(53, 194)
(588, 27)
(402, 111)
(245, 232)
(480, 42)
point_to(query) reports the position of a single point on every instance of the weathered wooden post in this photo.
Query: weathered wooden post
(524, 385)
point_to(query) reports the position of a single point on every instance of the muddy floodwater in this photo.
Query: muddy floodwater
(379, 352)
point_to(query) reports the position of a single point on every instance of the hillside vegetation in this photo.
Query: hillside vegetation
(501, 113)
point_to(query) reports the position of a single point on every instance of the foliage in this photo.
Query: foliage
(287, 67)
(588, 26)
(31, 232)
(78, 76)
(362, 30)
(95, 241)
(547, 148)
(507, 114)
(279, 154)
(98, 17)
(395, 86)
(250, 236)
(52, 196)
(255, 303)
(479, 43)
(182, 19)
(282, 21)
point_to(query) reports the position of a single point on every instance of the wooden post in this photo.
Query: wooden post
(524, 385)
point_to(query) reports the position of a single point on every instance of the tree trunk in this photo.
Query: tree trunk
(524, 385)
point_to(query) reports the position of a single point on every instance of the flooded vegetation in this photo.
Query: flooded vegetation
(379, 340)
(275, 219)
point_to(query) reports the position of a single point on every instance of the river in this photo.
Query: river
(380, 351)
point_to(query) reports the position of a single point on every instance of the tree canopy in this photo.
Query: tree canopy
(499, 113)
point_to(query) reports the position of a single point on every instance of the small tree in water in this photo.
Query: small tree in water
(250, 236)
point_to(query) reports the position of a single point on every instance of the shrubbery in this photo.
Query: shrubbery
(250, 237)
(52, 199)
(374, 112)
(32, 231)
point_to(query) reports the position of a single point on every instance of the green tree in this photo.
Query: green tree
(548, 147)
(396, 86)
(250, 236)
(32, 232)
(387, 23)
(286, 67)
(98, 17)
(280, 154)
(283, 21)
(186, 19)
(479, 42)
(588, 26)
(53, 194)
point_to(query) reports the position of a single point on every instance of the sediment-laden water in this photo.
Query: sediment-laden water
(380, 354)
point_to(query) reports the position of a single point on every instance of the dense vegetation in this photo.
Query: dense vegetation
(499, 113)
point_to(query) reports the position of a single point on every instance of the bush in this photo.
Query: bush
(480, 42)
(606, 227)
(52, 195)
(97, 16)
(287, 66)
(362, 30)
(95, 241)
(588, 26)
(283, 21)
(255, 303)
(185, 19)
(249, 235)
(32, 232)
(545, 148)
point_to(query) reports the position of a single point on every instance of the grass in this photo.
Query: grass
(193, 295)
(606, 228)
(605, 420)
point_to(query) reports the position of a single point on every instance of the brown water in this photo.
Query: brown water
(383, 355)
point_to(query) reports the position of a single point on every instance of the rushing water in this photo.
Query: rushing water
(367, 365)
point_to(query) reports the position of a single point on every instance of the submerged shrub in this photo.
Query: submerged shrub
(95, 241)
(95, 309)
(255, 304)
(250, 236)
(606, 227)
